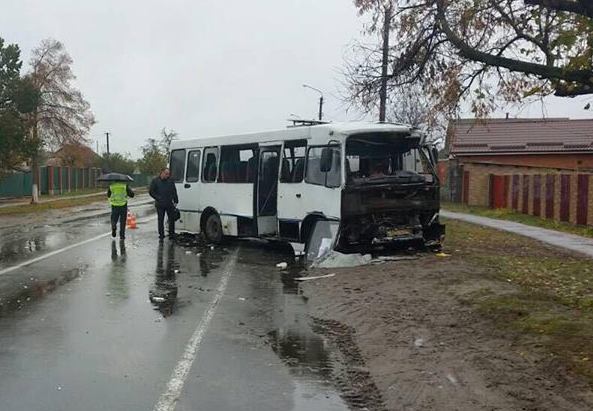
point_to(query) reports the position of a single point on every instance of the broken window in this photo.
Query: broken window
(379, 156)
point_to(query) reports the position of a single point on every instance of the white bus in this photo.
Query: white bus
(377, 181)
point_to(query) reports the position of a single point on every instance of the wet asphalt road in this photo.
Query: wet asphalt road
(104, 325)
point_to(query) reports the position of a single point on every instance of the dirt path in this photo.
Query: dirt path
(424, 343)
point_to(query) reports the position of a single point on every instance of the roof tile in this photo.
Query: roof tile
(521, 136)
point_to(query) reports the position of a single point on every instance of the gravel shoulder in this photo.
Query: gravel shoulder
(455, 333)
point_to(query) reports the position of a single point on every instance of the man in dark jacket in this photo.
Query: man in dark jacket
(163, 190)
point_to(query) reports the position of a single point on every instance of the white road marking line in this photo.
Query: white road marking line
(61, 250)
(168, 400)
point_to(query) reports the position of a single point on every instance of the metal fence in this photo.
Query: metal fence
(58, 180)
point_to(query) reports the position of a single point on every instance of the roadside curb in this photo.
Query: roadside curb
(102, 213)
(82, 216)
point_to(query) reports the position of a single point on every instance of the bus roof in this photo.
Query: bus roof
(292, 133)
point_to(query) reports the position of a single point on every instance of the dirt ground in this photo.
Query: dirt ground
(417, 334)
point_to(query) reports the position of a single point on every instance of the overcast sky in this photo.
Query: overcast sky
(202, 67)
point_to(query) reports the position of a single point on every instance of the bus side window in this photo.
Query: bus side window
(293, 161)
(235, 164)
(177, 165)
(192, 174)
(210, 165)
(331, 178)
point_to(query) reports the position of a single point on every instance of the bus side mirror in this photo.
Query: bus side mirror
(435, 154)
(326, 159)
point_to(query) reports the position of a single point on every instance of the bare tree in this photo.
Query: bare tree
(62, 116)
(410, 106)
(167, 136)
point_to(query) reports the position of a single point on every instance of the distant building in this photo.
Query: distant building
(74, 155)
(522, 164)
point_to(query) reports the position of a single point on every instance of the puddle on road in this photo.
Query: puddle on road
(325, 355)
(164, 292)
(21, 243)
(34, 289)
(322, 357)
(321, 376)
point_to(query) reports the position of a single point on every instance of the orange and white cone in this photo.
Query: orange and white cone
(132, 225)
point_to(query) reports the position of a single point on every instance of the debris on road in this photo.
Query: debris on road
(441, 254)
(384, 259)
(315, 278)
(322, 240)
(336, 259)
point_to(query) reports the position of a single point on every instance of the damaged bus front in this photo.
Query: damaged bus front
(391, 196)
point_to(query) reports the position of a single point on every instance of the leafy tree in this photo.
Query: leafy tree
(485, 51)
(17, 97)
(118, 163)
(62, 116)
(155, 153)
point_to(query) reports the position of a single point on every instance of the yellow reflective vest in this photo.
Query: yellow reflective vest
(119, 194)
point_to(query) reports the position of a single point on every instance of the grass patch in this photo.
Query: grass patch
(76, 193)
(506, 214)
(552, 302)
(51, 205)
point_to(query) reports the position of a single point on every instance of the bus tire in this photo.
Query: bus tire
(213, 229)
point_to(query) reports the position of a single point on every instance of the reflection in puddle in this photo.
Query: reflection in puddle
(305, 352)
(164, 293)
(117, 283)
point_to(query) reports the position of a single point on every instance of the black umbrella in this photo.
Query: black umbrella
(115, 177)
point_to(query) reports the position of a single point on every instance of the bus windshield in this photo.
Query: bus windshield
(380, 157)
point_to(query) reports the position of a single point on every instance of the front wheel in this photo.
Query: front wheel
(213, 229)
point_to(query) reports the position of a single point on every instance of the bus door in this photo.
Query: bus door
(266, 203)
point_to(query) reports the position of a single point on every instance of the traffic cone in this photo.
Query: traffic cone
(129, 220)
(133, 222)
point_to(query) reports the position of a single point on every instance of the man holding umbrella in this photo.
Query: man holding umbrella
(118, 193)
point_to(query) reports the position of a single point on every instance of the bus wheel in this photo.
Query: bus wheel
(213, 229)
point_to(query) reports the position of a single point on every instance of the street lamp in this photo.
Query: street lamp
(320, 99)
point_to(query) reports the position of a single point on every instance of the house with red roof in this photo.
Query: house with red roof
(542, 167)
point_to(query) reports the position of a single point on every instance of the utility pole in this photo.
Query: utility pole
(385, 63)
(320, 100)
(107, 135)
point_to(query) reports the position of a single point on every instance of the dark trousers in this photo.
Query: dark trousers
(161, 219)
(119, 214)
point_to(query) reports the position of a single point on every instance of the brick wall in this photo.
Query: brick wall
(533, 190)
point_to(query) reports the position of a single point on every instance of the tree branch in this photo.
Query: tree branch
(582, 77)
(582, 7)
